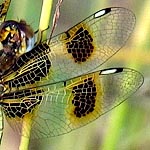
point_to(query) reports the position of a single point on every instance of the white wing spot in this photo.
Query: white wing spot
(109, 71)
(100, 13)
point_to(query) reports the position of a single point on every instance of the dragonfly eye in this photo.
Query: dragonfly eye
(15, 40)
(16, 35)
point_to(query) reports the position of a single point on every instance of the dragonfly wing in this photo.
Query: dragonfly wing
(60, 108)
(41, 84)
(77, 51)
(90, 43)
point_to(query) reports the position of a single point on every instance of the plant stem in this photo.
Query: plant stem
(45, 19)
(43, 25)
(26, 131)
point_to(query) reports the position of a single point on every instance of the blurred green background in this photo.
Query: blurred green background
(126, 127)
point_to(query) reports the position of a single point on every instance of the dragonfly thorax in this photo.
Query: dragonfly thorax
(15, 40)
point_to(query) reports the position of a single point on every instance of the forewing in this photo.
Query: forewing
(90, 43)
(77, 51)
(60, 108)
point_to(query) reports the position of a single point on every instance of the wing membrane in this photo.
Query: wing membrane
(78, 50)
(90, 43)
(60, 108)
(46, 85)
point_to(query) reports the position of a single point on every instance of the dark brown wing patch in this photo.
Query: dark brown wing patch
(81, 46)
(26, 105)
(84, 97)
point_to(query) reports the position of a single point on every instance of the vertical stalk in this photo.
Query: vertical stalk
(44, 23)
(44, 19)
(26, 131)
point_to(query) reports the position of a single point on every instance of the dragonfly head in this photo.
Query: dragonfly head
(16, 38)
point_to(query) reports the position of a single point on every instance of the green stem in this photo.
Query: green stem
(43, 25)
(44, 19)
(26, 131)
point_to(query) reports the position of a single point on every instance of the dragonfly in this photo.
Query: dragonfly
(53, 82)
